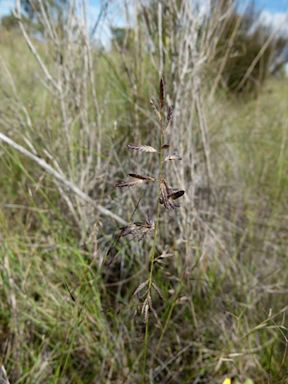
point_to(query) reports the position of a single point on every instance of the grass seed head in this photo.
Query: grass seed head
(161, 94)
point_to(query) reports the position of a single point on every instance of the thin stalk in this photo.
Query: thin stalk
(152, 258)
(158, 214)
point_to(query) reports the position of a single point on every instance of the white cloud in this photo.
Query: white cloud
(276, 20)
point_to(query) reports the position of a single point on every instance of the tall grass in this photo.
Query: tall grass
(66, 310)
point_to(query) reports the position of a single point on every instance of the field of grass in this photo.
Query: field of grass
(65, 317)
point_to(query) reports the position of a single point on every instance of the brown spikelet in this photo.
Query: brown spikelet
(161, 94)
(172, 157)
(129, 183)
(141, 286)
(164, 255)
(149, 300)
(169, 119)
(155, 109)
(146, 178)
(141, 148)
(176, 195)
(140, 229)
(145, 309)
(165, 146)
(164, 194)
(158, 290)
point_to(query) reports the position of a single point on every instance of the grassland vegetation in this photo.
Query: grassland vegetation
(75, 120)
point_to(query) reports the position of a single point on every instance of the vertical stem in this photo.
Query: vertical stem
(160, 38)
(153, 249)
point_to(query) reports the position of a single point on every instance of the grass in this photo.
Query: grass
(63, 319)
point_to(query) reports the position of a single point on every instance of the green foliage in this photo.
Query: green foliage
(9, 22)
(33, 8)
(123, 38)
(247, 58)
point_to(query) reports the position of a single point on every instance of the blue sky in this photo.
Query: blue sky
(272, 6)
(273, 13)
(269, 5)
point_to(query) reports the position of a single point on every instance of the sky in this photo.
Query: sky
(272, 6)
(273, 11)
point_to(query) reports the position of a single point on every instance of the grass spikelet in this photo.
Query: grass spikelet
(164, 194)
(165, 199)
(176, 195)
(141, 148)
(146, 178)
(158, 290)
(155, 109)
(161, 258)
(140, 229)
(161, 94)
(141, 286)
(145, 309)
(129, 183)
(169, 119)
(172, 157)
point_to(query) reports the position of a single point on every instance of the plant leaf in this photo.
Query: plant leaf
(158, 290)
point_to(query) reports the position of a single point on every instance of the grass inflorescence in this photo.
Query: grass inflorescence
(166, 197)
